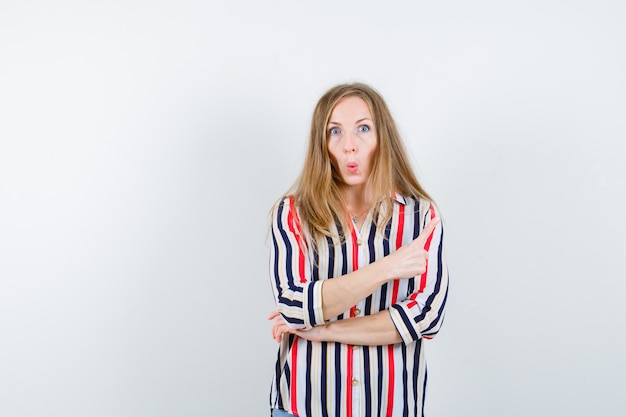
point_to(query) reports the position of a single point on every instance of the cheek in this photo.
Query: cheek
(371, 156)
(332, 152)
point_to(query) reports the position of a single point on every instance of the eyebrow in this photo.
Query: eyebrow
(358, 121)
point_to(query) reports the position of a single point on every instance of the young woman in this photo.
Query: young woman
(357, 269)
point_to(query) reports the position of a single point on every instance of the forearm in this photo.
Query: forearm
(375, 330)
(341, 293)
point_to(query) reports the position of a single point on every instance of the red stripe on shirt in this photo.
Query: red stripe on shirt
(394, 298)
(294, 227)
(350, 359)
(413, 296)
(349, 376)
(355, 252)
(427, 248)
(391, 381)
(294, 373)
(400, 232)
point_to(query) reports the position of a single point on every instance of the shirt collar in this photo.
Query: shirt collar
(400, 199)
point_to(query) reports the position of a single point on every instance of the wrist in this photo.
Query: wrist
(384, 270)
(319, 333)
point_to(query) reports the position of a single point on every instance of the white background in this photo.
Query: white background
(142, 144)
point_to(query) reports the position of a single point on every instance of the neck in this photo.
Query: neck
(355, 200)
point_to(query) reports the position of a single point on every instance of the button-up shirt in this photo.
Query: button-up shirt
(328, 379)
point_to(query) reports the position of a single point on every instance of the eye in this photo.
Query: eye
(333, 131)
(364, 129)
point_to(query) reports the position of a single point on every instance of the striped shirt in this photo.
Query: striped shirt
(329, 379)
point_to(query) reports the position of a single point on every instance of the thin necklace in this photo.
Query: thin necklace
(355, 217)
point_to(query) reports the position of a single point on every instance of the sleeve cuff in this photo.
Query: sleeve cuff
(403, 324)
(313, 312)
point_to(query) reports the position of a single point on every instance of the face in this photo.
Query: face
(352, 140)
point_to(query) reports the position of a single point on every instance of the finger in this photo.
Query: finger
(426, 231)
(278, 333)
(273, 315)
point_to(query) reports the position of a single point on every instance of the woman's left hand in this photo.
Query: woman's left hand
(279, 327)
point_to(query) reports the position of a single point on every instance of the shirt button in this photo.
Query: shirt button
(357, 311)
(359, 242)
(355, 382)
(354, 347)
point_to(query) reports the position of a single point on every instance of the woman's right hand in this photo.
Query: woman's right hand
(411, 260)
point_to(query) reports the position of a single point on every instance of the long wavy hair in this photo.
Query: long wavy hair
(317, 191)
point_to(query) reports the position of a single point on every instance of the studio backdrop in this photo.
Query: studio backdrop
(143, 143)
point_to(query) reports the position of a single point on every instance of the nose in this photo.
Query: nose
(350, 144)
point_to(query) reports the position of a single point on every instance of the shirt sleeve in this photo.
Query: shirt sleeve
(422, 313)
(298, 298)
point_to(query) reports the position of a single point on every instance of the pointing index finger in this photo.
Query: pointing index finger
(427, 230)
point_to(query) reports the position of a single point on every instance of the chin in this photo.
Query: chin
(354, 182)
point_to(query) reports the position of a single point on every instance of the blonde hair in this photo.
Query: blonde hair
(317, 191)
